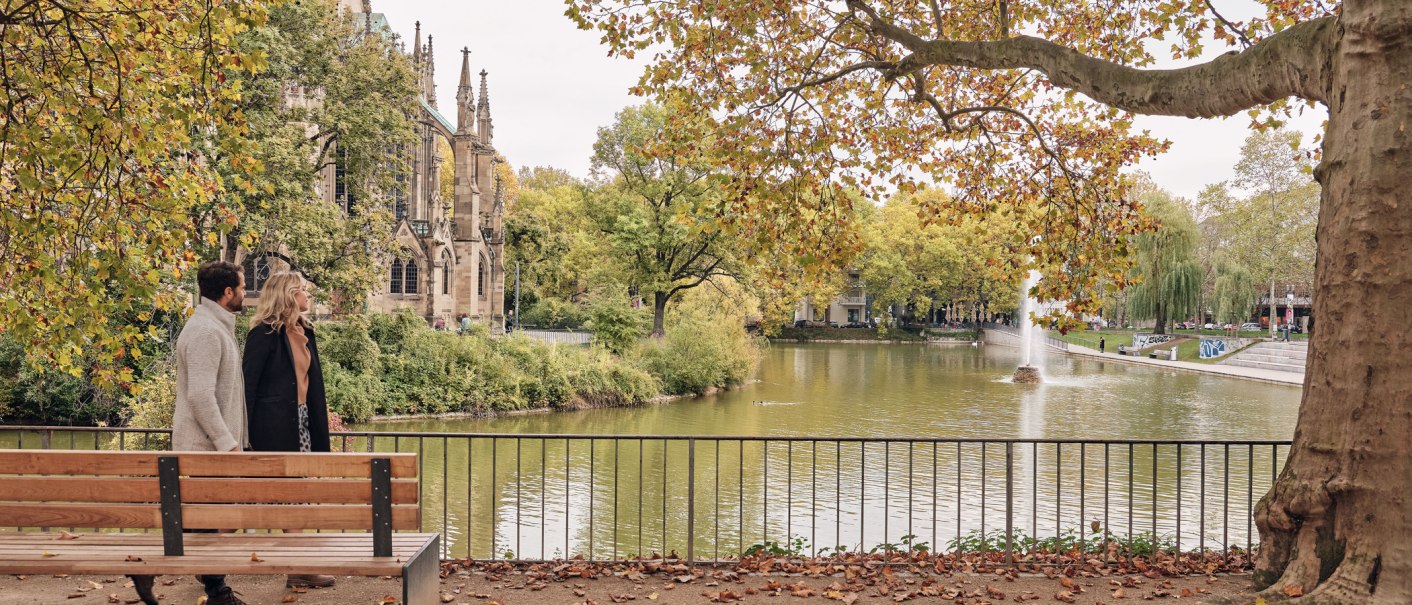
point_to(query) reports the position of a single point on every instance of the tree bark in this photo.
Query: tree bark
(1272, 308)
(1161, 318)
(659, 314)
(1336, 525)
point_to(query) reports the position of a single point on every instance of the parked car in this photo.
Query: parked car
(1251, 327)
(1210, 326)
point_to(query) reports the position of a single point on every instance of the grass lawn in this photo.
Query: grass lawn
(1188, 350)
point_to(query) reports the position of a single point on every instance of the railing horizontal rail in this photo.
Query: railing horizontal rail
(715, 497)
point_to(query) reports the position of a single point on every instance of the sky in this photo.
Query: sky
(552, 86)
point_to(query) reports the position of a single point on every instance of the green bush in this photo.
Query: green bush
(348, 344)
(706, 346)
(47, 396)
(556, 314)
(354, 396)
(602, 379)
(615, 324)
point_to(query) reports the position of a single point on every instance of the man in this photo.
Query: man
(465, 323)
(210, 390)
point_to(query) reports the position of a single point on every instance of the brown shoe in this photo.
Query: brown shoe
(308, 581)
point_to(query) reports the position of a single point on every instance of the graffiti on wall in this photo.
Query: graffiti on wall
(1212, 348)
(1142, 341)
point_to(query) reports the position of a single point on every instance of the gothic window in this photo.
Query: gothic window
(445, 273)
(410, 284)
(342, 190)
(257, 271)
(480, 279)
(395, 287)
(399, 185)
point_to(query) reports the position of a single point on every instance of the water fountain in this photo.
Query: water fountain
(1031, 337)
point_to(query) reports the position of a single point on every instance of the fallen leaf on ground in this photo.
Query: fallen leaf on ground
(63, 535)
(1294, 590)
(289, 598)
(256, 558)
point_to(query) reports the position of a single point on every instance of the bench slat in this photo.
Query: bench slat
(204, 516)
(275, 516)
(201, 490)
(341, 554)
(205, 464)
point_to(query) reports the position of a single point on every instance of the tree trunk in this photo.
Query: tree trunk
(659, 314)
(1336, 525)
(1161, 318)
(1272, 308)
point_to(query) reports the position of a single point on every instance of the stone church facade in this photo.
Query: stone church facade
(454, 261)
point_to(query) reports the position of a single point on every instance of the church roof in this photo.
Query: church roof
(436, 114)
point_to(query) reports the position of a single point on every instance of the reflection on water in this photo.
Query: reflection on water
(609, 498)
(927, 474)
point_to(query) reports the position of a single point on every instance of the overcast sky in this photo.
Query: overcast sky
(552, 85)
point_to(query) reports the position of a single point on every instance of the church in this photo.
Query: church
(454, 262)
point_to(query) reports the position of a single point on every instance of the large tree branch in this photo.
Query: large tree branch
(1294, 62)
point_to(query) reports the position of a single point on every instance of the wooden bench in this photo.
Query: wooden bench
(372, 494)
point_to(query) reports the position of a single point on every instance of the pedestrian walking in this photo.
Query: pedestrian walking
(209, 415)
(1101, 343)
(284, 381)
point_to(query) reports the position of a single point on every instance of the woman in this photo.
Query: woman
(284, 382)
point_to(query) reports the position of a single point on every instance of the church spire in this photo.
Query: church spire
(465, 105)
(417, 46)
(483, 109)
(429, 73)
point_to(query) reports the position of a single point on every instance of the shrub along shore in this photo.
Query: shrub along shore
(394, 365)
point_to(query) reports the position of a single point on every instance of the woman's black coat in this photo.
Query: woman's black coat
(272, 395)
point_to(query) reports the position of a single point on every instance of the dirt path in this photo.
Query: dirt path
(514, 588)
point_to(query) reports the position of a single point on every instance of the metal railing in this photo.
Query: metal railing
(711, 498)
(568, 337)
(1053, 343)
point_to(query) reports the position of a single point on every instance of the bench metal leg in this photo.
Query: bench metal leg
(421, 576)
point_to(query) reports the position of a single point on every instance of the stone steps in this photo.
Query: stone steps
(1277, 356)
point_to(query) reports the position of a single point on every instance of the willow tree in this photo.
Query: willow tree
(1030, 102)
(1233, 292)
(1169, 277)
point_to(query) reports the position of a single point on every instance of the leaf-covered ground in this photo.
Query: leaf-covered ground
(858, 579)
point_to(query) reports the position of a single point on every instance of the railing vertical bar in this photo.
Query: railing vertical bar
(934, 544)
(765, 489)
(665, 550)
(1154, 499)
(1226, 506)
(1034, 489)
(1058, 493)
(911, 446)
(838, 494)
(519, 476)
(568, 474)
(814, 497)
(1249, 496)
(616, 443)
(640, 504)
(1107, 530)
(592, 485)
(470, 499)
(691, 502)
(717, 503)
(789, 492)
(1010, 503)
(740, 496)
(862, 495)
(1083, 494)
(543, 498)
(445, 497)
(1132, 503)
(958, 497)
(887, 490)
(1201, 522)
(983, 482)
(1179, 498)
(494, 504)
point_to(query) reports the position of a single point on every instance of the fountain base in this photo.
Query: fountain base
(1027, 375)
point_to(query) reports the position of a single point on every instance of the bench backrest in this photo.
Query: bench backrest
(209, 490)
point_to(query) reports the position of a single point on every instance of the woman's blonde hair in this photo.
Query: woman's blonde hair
(277, 304)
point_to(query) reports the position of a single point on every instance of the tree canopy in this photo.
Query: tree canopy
(113, 110)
